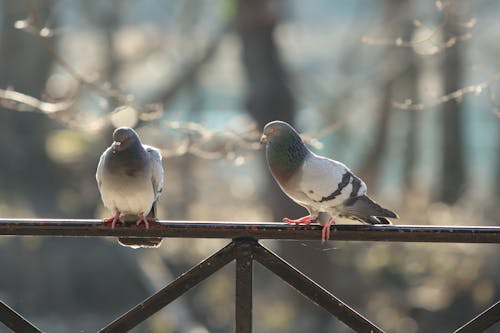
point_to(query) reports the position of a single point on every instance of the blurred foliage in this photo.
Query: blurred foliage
(366, 84)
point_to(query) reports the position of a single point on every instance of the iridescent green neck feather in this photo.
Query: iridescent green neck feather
(285, 154)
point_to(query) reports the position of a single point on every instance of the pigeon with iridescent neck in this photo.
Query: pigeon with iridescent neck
(325, 187)
(130, 179)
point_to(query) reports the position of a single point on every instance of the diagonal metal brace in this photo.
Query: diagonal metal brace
(482, 321)
(178, 287)
(313, 291)
(15, 321)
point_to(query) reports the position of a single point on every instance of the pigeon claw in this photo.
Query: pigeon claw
(144, 219)
(325, 232)
(114, 219)
(302, 220)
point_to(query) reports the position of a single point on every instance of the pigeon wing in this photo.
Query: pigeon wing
(328, 183)
(156, 169)
(100, 168)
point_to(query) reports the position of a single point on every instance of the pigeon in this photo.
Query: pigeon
(325, 187)
(130, 179)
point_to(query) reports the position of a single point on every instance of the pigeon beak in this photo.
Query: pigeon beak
(116, 146)
(263, 139)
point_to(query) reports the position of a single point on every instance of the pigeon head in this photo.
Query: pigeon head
(124, 137)
(285, 150)
(280, 135)
(279, 132)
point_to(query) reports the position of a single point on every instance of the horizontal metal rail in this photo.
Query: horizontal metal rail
(257, 230)
(245, 249)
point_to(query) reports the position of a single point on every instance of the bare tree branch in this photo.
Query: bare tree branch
(457, 95)
(11, 99)
(432, 36)
(147, 112)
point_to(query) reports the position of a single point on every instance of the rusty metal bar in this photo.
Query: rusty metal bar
(484, 320)
(313, 291)
(244, 267)
(171, 292)
(15, 321)
(258, 230)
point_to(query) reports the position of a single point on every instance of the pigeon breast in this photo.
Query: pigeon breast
(127, 184)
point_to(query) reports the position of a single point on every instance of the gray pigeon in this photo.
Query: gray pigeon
(326, 188)
(130, 179)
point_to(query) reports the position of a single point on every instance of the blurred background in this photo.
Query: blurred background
(404, 92)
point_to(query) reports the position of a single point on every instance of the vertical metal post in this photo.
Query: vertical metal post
(244, 264)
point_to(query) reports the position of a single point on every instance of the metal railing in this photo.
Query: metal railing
(244, 249)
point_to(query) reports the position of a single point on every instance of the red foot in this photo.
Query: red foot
(302, 220)
(114, 219)
(145, 220)
(325, 232)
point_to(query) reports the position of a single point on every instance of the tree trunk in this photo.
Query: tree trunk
(27, 171)
(270, 98)
(409, 86)
(370, 168)
(400, 82)
(452, 167)
(372, 163)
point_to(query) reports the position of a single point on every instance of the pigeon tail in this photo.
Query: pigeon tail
(142, 242)
(367, 210)
(377, 220)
